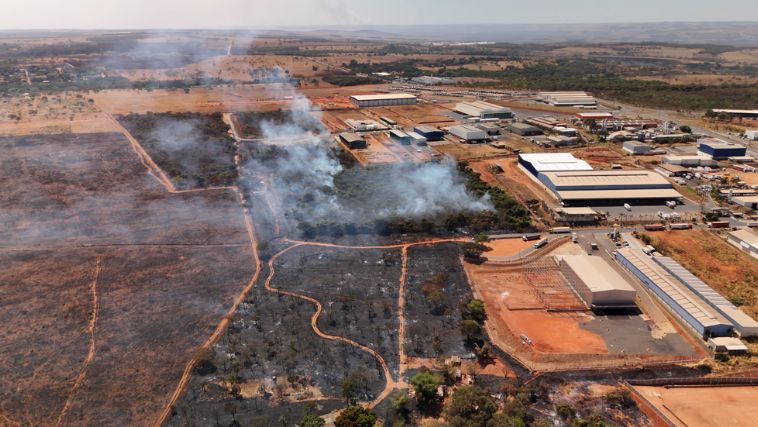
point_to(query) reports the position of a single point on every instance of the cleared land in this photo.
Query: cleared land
(704, 406)
(102, 269)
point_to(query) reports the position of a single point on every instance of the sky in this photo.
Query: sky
(244, 14)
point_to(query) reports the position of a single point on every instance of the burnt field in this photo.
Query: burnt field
(270, 363)
(194, 150)
(108, 283)
(435, 288)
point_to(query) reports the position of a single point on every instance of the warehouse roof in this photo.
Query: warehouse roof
(594, 116)
(596, 273)
(662, 193)
(717, 144)
(610, 178)
(742, 321)
(736, 111)
(380, 96)
(427, 128)
(476, 108)
(730, 343)
(746, 235)
(682, 296)
(576, 211)
(544, 162)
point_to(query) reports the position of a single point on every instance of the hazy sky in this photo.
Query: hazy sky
(36, 14)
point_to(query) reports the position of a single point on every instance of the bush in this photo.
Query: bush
(355, 416)
(425, 384)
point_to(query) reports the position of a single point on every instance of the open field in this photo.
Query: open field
(728, 270)
(104, 270)
(704, 406)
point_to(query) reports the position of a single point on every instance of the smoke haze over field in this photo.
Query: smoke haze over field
(304, 174)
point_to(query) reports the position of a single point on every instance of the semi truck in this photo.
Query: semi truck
(540, 244)
(560, 230)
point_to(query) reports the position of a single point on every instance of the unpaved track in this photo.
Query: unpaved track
(90, 352)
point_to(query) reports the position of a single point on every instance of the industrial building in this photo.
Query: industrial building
(353, 140)
(595, 188)
(743, 324)
(567, 99)
(596, 282)
(545, 122)
(468, 133)
(431, 133)
(416, 138)
(748, 114)
(575, 215)
(483, 110)
(669, 170)
(524, 129)
(691, 161)
(720, 150)
(751, 135)
(562, 141)
(364, 125)
(636, 147)
(750, 202)
(383, 100)
(537, 163)
(400, 137)
(728, 345)
(433, 81)
(490, 128)
(745, 239)
(681, 301)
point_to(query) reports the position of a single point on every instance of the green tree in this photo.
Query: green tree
(476, 310)
(471, 330)
(425, 384)
(349, 389)
(355, 416)
(312, 421)
(470, 406)
(685, 129)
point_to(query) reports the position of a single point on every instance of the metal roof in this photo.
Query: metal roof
(576, 211)
(381, 96)
(545, 162)
(742, 321)
(746, 235)
(675, 290)
(610, 178)
(476, 108)
(661, 193)
(719, 144)
(597, 274)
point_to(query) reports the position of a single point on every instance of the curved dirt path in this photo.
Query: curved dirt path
(90, 352)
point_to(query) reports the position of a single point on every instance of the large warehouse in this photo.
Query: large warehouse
(383, 99)
(468, 133)
(596, 282)
(567, 99)
(744, 324)
(483, 110)
(431, 133)
(551, 162)
(613, 187)
(745, 239)
(720, 150)
(681, 301)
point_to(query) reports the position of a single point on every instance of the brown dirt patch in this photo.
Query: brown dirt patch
(506, 247)
(705, 406)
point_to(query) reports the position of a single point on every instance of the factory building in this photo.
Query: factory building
(596, 282)
(745, 239)
(383, 100)
(537, 163)
(567, 99)
(750, 202)
(417, 139)
(545, 122)
(751, 135)
(468, 133)
(483, 110)
(636, 148)
(433, 81)
(669, 170)
(575, 215)
(353, 140)
(490, 128)
(743, 324)
(605, 188)
(365, 125)
(524, 129)
(400, 137)
(680, 300)
(748, 114)
(431, 133)
(728, 345)
(564, 131)
(691, 161)
(720, 150)
(562, 141)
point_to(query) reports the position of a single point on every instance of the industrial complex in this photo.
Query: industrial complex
(599, 285)
(383, 100)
